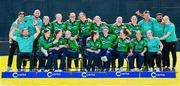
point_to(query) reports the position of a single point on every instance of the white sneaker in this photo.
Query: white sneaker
(45, 70)
(39, 70)
(151, 69)
(60, 70)
(8, 69)
(120, 69)
(56, 71)
(138, 70)
(132, 70)
(157, 69)
(77, 69)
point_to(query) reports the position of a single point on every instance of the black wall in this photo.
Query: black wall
(108, 10)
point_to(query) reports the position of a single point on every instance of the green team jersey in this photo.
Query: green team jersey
(133, 29)
(43, 43)
(153, 44)
(115, 29)
(73, 27)
(30, 22)
(98, 28)
(170, 28)
(158, 29)
(85, 28)
(25, 44)
(122, 45)
(56, 25)
(48, 26)
(138, 46)
(107, 42)
(73, 45)
(90, 44)
(21, 26)
(147, 25)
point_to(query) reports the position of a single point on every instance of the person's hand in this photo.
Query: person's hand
(142, 54)
(138, 13)
(61, 46)
(97, 51)
(10, 41)
(159, 52)
(130, 54)
(35, 22)
(88, 38)
(55, 41)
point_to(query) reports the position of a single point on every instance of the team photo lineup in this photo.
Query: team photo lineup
(92, 43)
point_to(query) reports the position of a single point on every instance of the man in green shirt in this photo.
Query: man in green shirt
(138, 47)
(25, 43)
(148, 23)
(171, 42)
(33, 21)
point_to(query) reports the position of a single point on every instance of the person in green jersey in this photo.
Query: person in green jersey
(98, 24)
(46, 25)
(106, 49)
(93, 50)
(20, 24)
(134, 26)
(138, 47)
(61, 44)
(118, 26)
(155, 47)
(58, 24)
(43, 46)
(72, 50)
(85, 31)
(147, 23)
(122, 47)
(171, 42)
(33, 21)
(72, 25)
(25, 44)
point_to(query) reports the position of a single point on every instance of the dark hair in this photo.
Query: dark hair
(82, 13)
(21, 13)
(146, 12)
(126, 31)
(46, 30)
(57, 31)
(159, 14)
(93, 34)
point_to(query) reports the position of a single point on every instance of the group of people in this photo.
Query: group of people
(99, 44)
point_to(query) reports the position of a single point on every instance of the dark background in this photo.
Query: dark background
(108, 10)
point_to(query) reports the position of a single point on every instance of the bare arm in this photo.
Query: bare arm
(167, 35)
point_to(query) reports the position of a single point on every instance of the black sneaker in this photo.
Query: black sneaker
(173, 69)
(145, 69)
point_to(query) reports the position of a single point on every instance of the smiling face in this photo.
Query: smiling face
(37, 13)
(47, 34)
(134, 19)
(119, 20)
(58, 17)
(105, 31)
(149, 33)
(46, 19)
(72, 16)
(59, 34)
(67, 34)
(25, 33)
(97, 19)
(82, 16)
(166, 19)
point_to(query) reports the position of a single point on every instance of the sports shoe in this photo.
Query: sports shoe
(8, 69)
(157, 69)
(151, 69)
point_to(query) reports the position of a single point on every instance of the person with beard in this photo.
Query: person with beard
(30, 20)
